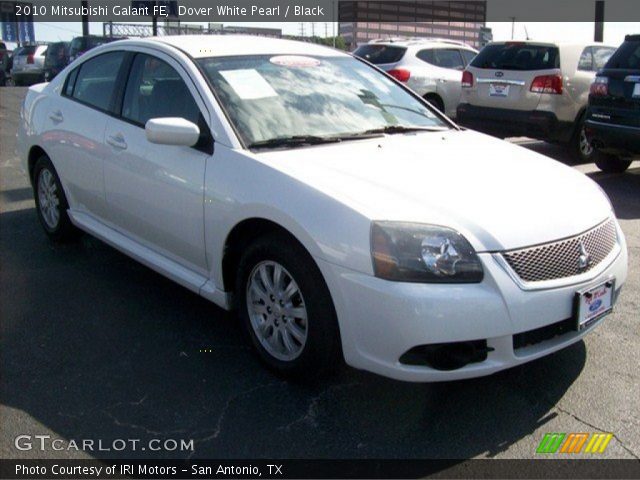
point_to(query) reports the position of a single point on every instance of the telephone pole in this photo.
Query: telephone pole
(598, 34)
(85, 18)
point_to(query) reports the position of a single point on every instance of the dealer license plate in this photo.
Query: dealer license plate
(593, 304)
(498, 90)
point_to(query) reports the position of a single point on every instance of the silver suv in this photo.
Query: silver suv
(28, 64)
(532, 89)
(430, 67)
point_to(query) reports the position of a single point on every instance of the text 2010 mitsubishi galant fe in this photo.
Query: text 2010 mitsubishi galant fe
(339, 213)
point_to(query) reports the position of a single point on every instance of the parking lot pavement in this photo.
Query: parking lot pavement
(96, 346)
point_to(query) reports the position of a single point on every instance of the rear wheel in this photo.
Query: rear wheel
(51, 202)
(286, 309)
(583, 151)
(611, 163)
(436, 101)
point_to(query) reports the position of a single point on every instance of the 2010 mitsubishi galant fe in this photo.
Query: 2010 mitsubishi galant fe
(338, 212)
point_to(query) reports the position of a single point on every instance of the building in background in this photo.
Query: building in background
(363, 21)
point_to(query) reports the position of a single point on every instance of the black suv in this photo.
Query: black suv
(56, 58)
(613, 116)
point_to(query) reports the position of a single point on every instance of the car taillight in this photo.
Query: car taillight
(600, 87)
(467, 79)
(400, 74)
(547, 84)
(30, 58)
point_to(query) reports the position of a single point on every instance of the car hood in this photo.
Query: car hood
(499, 195)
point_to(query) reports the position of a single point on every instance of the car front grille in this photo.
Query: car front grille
(562, 259)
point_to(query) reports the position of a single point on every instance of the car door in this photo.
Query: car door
(74, 126)
(155, 192)
(450, 75)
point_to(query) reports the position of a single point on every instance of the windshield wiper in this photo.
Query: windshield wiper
(294, 140)
(392, 129)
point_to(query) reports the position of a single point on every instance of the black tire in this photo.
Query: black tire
(581, 150)
(321, 354)
(435, 101)
(62, 230)
(611, 163)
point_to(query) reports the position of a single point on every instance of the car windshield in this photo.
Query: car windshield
(517, 56)
(270, 97)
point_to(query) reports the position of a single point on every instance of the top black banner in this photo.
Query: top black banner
(315, 10)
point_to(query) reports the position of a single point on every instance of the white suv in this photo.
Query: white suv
(532, 89)
(430, 67)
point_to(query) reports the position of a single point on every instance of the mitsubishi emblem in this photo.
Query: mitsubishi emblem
(585, 259)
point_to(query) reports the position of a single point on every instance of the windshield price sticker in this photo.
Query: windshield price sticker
(248, 84)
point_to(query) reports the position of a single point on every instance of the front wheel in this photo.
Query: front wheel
(286, 309)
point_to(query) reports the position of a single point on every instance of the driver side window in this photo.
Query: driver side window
(156, 90)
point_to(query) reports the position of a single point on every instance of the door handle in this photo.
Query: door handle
(56, 116)
(117, 141)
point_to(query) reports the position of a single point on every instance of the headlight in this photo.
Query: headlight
(413, 252)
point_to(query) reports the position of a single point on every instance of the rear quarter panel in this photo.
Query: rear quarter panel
(32, 116)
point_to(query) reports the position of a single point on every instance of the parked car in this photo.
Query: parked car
(613, 118)
(339, 213)
(430, 67)
(56, 58)
(6, 63)
(28, 64)
(81, 45)
(532, 89)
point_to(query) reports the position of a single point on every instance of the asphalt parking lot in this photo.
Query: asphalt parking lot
(96, 346)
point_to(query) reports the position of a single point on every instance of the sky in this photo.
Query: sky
(614, 32)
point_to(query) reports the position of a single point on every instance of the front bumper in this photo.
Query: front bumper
(381, 320)
(504, 122)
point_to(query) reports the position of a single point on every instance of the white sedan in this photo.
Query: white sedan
(335, 210)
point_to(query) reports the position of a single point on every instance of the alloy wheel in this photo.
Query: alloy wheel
(277, 311)
(48, 200)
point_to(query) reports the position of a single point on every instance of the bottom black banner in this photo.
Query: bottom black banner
(177, 469)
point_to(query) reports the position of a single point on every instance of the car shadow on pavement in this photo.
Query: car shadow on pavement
(96, 346)
(623, 190)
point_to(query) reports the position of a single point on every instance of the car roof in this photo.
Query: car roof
(421, 43)
(563, 45)
(201, 46)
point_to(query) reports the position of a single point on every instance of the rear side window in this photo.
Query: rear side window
(517, 56)
(156, 90)
(627, 56)
(30, 50)
(585, 63)
(468, 56)
(601, 56)
(71, 82)
(442, 57)
(594, 58)
(380, 54)
(96, 80)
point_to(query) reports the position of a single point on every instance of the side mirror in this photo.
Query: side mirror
(172, 131)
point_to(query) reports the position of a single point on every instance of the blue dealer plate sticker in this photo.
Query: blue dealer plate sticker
(594, 303)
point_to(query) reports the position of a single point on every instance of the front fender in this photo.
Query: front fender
(239, 187)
